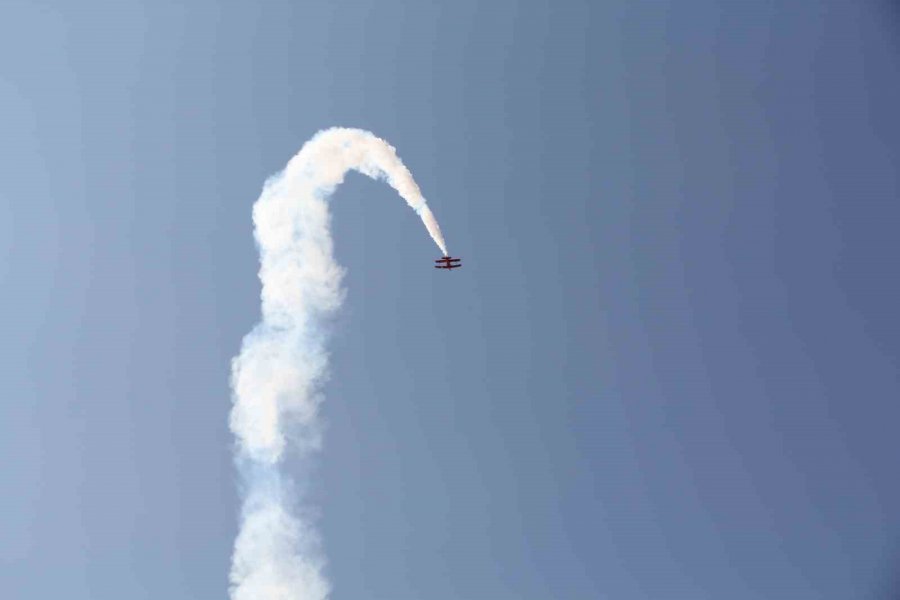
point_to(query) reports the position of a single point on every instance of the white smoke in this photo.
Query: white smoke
(276, 377)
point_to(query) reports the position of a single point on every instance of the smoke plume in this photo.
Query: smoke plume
(277, 375)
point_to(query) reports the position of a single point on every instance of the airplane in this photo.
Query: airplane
(447, 263)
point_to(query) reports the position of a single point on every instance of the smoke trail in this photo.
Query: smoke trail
(282, 363)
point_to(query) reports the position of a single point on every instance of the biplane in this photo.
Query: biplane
(445, 262)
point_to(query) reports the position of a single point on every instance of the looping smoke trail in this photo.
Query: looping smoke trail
(283, 362)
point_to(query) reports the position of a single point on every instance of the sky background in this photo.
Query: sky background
(668, 368)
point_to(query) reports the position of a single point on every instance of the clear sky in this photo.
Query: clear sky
(668, 368)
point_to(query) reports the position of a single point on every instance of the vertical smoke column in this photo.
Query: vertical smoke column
(282, 364)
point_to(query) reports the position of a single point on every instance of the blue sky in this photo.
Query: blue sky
(668, 369)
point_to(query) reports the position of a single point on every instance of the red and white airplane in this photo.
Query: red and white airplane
(447, 263)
